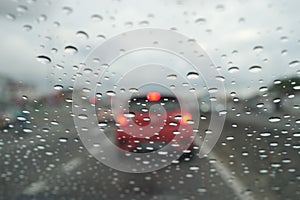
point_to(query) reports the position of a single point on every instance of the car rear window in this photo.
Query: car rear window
(143, 104)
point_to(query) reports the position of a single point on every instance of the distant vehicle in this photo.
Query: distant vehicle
(8, 116)
(138, 131)
(3, 120)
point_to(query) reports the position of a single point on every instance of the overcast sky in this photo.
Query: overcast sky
(234, 34)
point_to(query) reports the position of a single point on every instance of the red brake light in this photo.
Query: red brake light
(185, 118)
(153, 96)
(122, 120)
(93, 100)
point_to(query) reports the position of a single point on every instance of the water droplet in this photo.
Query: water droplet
(98, 95)
(296, 87)
(265, 134)
(233, 69)
(185, 84)
(54, 50)
(223, 112)
(27, 130)
(102, 124)
(245, 153)
(260, 105)
(97, 17)
(41, 147)
(276, 100)
(284, 52)
(21, 118)
(10, 16)
(54, 123)
(24, 97)
(45, 130)
(41, 18)
(43, 59)
(128, 24)
(144, 23)
(274, 119)
(296, 134)
(173, 124)
(58, 87)
(200, 21)
(105, 66)
(56, 24)
(69, 100)
(82, 116)
(63, 140)
(87, 70)
(192, 89)
(133, 90)
(21, 8)
(86, 90)
(192, 75)
(96, 145)
(233, 94)
(234, 125)
(82, 34)
(71, 50)
(234, 52)
(230, 138)
(67, 10)
(49, 153)
(194, 168)
(286, 160)
(258, 48)
(255, 69)
(220, 78)
(212, 90)
(129, 115)
(202, 190)
(172, 77)
(294, 63)
(176, 132)
(101, 37)
(111, 93)
(276, 82)
(263, 89)
(27, 27)
(263, 171)
(284, 39)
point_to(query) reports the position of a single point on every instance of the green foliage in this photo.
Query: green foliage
(286, 85)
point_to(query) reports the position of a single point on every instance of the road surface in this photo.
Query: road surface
(253, 159)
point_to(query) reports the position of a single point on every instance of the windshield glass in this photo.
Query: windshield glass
(228, 77)
(143, 104)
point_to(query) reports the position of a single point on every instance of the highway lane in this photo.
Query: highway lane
(51, 161)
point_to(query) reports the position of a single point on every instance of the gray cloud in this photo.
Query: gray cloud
(237, 26)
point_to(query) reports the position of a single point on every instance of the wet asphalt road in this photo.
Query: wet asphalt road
(48, 161)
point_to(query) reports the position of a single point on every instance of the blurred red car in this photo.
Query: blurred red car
(152, 122)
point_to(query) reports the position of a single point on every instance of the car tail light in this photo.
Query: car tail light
(153, 96)
(122, 120)
(93, 100)
(185, 118)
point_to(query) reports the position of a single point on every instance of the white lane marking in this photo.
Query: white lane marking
(39, 186)
(72, 164)
(35, 188)
(238, 187)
